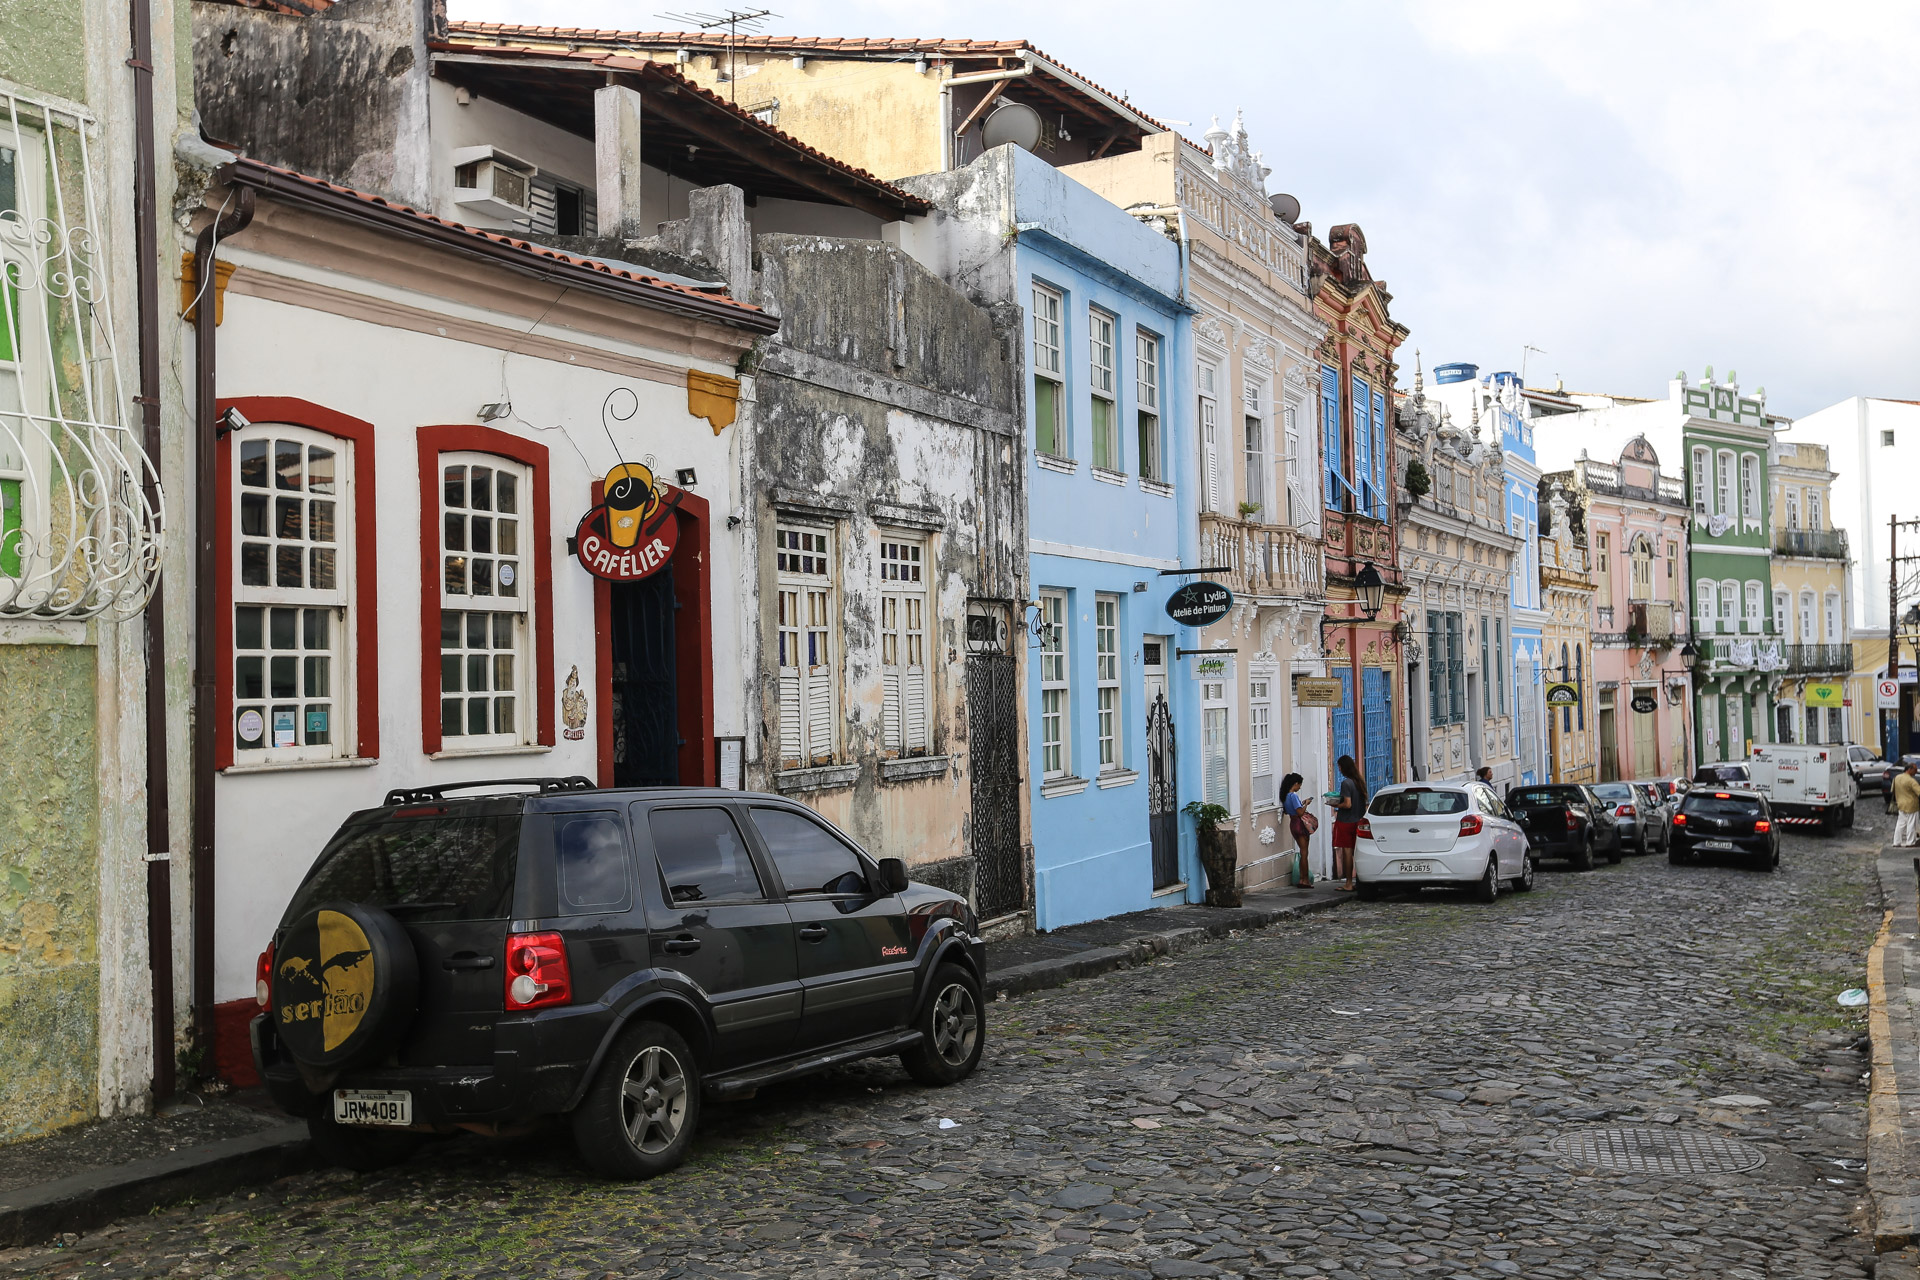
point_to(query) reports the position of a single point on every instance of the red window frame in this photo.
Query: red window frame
(266, 410)
(431, 443)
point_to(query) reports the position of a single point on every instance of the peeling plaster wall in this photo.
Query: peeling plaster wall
(347, 88)
(49, 896)
(888, 387)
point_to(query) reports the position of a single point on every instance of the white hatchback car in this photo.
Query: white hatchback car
(1416, 834)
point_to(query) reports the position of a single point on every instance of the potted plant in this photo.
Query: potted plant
(1248, 510)
(1217, 853)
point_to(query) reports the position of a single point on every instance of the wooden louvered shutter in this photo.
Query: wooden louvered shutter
(544, 207)
(914, 688)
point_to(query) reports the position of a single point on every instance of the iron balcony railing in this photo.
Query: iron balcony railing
(1263, 559)
(1827, 544)
(1768, 653)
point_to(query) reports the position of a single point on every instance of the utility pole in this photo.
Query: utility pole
(1892, 733)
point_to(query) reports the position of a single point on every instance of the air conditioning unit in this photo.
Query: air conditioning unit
(488, 181)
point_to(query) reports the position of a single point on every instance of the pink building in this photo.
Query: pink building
(1636, 525)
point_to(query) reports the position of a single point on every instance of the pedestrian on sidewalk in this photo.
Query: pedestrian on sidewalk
(1906, 799)
(1350, 803)
(1485, 774)
(1300, 824)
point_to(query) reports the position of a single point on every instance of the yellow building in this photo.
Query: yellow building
(1566, 585)
(893, 107)
(1811, 611)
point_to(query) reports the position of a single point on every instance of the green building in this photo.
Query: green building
(1726, 439)
(85, 1028)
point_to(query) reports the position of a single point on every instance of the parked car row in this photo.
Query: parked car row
(1462, 834)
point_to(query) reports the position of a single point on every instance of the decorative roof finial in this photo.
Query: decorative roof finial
(1419, 384)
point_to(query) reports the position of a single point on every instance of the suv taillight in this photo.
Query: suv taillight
(263, 977)
(1365, 832)
(1573, 820)
(1471, 825)
(537, 974)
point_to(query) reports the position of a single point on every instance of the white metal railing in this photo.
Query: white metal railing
(81, 517)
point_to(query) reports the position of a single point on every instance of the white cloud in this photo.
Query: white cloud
(1633, 186)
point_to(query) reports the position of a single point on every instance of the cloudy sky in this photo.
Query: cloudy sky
(1633, 187)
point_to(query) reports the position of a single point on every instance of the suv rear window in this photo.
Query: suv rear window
(1418, 800)
(1712, 773)
(1713, 806)
(1537, 797)
(436, 866)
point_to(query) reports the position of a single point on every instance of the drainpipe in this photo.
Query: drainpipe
(146, 258)
(207, 508)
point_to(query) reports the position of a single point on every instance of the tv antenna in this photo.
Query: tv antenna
(735, 21)
(1523, 363)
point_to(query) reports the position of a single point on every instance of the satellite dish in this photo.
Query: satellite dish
(1016, 123)
(1285, 208)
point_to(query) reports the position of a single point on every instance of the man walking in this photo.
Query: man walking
(1906, 799)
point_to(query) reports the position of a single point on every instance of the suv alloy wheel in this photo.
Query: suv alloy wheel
(639, 1114)
(952, 1029)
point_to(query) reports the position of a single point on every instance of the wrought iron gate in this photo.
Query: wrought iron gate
(993, 767)
(1163, 794)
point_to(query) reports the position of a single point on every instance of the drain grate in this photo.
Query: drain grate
(1657, 1151)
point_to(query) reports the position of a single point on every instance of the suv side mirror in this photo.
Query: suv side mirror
(893, 875)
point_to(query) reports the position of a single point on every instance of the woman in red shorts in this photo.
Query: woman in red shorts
(1348, 808)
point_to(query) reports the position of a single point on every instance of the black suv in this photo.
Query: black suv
(1566, 820)
(480, 962)
(1739, 823)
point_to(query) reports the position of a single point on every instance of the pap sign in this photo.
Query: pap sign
(631, 533)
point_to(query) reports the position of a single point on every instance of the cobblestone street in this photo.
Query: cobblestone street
(1372, 1092)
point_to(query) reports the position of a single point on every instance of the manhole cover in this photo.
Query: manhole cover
(1657, 1151)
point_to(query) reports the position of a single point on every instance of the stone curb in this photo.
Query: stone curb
(35, 1214)
(1057, 971)
(1893, 1099)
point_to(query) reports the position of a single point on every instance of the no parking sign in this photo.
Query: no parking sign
(1886, 694)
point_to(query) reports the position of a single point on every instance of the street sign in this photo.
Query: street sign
(1563, 694)
(1886, 694)
(1644, 703)
(1316, 691)
(1199, 604)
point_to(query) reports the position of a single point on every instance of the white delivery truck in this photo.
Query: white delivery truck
(1808, 785)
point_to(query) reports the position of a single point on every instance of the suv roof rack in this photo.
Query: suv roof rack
(426, 795)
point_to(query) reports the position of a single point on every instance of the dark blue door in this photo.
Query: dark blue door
(1376, 700)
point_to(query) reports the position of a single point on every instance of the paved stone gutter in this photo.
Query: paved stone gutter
(1893, 1102)
(1081, 951)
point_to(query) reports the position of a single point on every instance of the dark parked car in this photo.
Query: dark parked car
(1733, 823)
(1566, 820)
(612, 956)
(1635, 813)
(1727, 773)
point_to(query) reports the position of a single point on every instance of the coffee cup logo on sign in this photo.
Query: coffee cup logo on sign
(632, 533)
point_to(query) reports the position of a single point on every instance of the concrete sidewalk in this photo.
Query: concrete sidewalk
(82, 1178)
(1893, 1102)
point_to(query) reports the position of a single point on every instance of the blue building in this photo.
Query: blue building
(1112, 706)
(1503, 399)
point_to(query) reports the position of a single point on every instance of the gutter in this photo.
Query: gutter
(532, 262)
(146, 261)
(207, 508)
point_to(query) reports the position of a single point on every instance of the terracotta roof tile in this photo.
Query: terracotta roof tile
(909, 202)
(936, 46)
(526, 246)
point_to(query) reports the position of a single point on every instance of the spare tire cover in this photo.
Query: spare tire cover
(344, 984)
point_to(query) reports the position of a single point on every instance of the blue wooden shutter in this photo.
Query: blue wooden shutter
(1343, 744)
(1333, 459)
(1380, 490)
(1362, 449)
(1377, 703)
